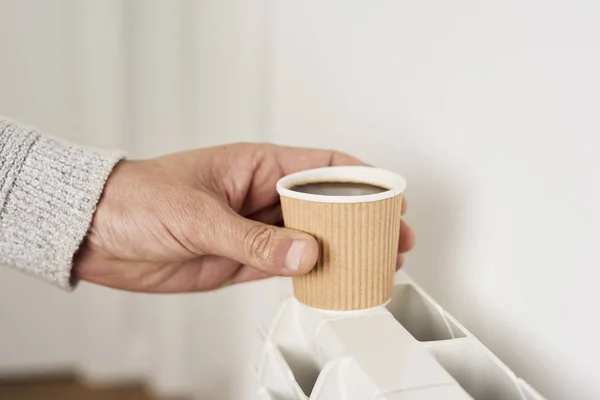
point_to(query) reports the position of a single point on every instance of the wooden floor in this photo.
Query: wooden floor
(67, 388)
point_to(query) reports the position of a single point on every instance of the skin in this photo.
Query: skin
(201, 220)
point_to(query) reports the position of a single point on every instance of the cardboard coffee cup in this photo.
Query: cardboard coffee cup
(354, 213)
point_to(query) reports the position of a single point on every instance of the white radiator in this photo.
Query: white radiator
(409, 350)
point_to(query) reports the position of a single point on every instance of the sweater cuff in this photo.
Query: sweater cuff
(48, 195)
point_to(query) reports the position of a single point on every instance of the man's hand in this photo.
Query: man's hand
(201, 220)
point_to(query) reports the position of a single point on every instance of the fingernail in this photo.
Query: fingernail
(294, 254)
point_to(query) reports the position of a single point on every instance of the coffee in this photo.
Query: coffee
(338, 188)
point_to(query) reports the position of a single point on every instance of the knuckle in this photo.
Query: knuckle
(260, 241)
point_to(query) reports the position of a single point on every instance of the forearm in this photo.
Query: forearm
(48, 193)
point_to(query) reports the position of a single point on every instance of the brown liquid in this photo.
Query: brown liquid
(338, 188)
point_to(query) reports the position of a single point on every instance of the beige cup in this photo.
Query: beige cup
(357, 235)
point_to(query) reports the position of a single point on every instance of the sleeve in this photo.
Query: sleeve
(48, 194)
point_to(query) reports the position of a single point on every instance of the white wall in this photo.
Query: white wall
(490, 110)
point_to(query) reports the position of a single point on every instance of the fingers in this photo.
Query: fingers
(294, 159)
(271, 215)
(407, 238)
(274, 250)
(247, 273)
(255, 242)
(210, 272)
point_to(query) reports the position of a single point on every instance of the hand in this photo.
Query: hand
(201, 220)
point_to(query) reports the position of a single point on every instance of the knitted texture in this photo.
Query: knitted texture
(48, 194)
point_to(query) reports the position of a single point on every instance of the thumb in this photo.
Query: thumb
(278, 251)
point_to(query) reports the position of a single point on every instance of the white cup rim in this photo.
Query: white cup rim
(354, 173)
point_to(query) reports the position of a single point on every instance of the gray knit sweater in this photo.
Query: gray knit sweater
(48, 194)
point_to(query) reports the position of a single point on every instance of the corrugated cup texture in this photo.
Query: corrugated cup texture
(358, 247)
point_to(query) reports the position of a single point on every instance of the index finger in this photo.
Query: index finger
(294, 159)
